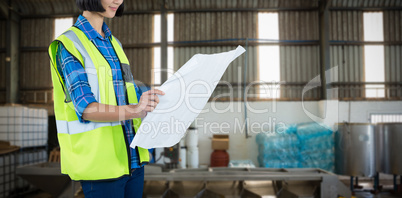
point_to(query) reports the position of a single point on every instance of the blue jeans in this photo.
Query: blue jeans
(124, 187)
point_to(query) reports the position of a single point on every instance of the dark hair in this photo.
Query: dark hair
(96, 6)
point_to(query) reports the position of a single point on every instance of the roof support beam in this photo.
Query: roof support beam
(164, 43)
(12, 57)
(325, 63)
(3, 9)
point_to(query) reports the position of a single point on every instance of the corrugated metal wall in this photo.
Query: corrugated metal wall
(214, 25)
(132, 30)
(37, 34)
(51, 7)
(366, 3)
(298, 64)
(218, 25)
(45, 7)
(232, 76)
(142, 5)
(393, 53)
(347, 26)
(34, 71)
(3, 25)
(232, 4)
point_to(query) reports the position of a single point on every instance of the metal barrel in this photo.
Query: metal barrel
(355, 150)
(390, 147)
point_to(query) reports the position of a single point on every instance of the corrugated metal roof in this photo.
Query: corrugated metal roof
(59, 7)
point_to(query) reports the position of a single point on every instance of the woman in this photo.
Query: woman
(96, 105)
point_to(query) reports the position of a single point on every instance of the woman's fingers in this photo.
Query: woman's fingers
(154, 98)
(155, 91)
(148, 105)
(149, 100)
(149, 109)
(152, 104)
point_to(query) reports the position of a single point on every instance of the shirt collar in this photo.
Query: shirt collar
(84, 25)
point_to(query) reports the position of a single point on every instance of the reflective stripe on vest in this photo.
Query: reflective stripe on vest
(89, 65)
(74, 127)
(95, 150)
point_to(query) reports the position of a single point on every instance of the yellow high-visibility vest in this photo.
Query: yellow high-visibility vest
(95, 150)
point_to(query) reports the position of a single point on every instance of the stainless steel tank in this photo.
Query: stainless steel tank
(355, 148)
(390, 147)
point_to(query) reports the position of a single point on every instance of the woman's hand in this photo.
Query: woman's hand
(98, 112)
(147, 103)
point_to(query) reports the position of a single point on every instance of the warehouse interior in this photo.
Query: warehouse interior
(312, 108)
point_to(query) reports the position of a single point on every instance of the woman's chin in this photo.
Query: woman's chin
(110, 16)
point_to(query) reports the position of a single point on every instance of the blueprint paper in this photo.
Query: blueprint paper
(186, 93)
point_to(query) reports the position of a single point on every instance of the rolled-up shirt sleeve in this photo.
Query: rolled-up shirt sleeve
(76, 81)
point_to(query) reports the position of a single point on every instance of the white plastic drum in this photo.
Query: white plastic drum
(192, 137)
(182, 154)
(192, 157)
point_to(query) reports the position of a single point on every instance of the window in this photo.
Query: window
(268, 31)
(170, 21)
(157, 78)
(157, 51)
(389, 117)
(374, 54)
(61, 25)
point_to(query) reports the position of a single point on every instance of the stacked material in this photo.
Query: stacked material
(26, 128)
(7, 165)
(23, 126)
(307, 145)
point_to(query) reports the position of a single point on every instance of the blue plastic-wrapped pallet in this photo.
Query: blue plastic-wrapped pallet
(306, 145)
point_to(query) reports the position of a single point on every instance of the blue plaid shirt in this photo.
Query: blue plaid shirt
(76, 79)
